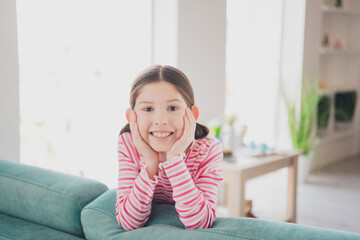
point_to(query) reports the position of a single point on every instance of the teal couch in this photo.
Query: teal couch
(41, 204)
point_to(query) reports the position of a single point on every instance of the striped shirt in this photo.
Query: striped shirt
(189, 182)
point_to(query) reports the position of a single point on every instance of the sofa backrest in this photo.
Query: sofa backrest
(46, 197)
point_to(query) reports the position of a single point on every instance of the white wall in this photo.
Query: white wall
(201, 54)
(9, 83)
(165, 32)
(190, 35)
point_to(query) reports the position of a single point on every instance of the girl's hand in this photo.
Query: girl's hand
(187, 137)
(151, 157)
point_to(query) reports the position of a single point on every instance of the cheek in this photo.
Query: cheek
(178, 123)
(143, 126)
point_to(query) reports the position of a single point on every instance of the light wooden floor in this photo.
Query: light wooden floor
(329, 199)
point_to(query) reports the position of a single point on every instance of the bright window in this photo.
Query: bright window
(252, 66)
(77, 62)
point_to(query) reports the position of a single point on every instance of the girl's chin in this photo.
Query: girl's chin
(160, 147)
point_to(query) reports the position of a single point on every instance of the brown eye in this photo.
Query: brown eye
(148, 109)
(173, 108)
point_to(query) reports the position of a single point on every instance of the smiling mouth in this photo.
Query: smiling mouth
(161, 134)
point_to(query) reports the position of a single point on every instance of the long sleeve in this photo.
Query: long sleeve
(135, 189)
(196, 197)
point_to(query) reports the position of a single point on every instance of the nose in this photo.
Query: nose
(160, 119)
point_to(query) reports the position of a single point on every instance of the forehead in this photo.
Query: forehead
(158, 92)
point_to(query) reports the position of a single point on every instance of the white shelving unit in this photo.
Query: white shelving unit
(338, 64)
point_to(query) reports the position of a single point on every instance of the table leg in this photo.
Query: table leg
(292, 191)
(236, 196)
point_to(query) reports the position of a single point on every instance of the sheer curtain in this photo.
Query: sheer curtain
(77, 62)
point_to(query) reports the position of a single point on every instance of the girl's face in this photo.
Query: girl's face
(160, 109)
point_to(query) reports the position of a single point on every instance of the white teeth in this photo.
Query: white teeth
(161, 135)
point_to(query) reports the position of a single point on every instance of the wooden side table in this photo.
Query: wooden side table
(238, 172)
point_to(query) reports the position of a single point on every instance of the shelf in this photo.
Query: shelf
(331, 51)
(335, 10)
(336, 89)
(335, 136)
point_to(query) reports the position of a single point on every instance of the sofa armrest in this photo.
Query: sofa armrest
(99, 222)
(46, 197)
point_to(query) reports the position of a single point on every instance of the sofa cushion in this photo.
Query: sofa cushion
(15, 228)
(46, 197)
(98, 218)
(99, 223)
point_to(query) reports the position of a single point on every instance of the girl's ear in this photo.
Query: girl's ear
(195, 111)
(128, 111)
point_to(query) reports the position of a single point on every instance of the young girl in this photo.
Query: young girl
(164, 155)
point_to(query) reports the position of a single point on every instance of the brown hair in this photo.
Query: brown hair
(171, 75)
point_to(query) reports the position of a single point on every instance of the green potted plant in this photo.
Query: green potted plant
(301, 122)
(323, 115)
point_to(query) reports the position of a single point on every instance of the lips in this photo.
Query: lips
(161, 135)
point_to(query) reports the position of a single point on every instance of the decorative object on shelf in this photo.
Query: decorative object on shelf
(338, 45)
(301, 121)
(215, 129)
(345, 103)
(228, 135)
(232, 134)
(242, 132)
(338, 3)
(259, 150)
(326, 41)
(322, 85)
(323, 115)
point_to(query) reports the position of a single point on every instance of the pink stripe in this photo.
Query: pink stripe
(144, 193)
(213, 178)
(123, 188)
(191, 226)
(204, 191)
(194, 214)
(127, 169)
(210, 183)
(177, 174)
(193, 200)
(138, 220)
(207, 222)
(137, 198)
(181, 183)
(127, 148)
(146, 183)
(124, 219)
(123, 179)
(125, 160)
(183, 194)
(137, 209)
(204, 163)
(206, 172)
(176, 163)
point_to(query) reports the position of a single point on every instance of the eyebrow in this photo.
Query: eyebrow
(149, 102)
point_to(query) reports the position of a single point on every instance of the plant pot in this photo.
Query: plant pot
(304, 167)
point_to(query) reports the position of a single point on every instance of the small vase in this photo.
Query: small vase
(304, 167)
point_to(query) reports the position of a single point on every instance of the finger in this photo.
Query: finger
(135, 128)
(192, 123)
(191, 114)
(187, 131)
